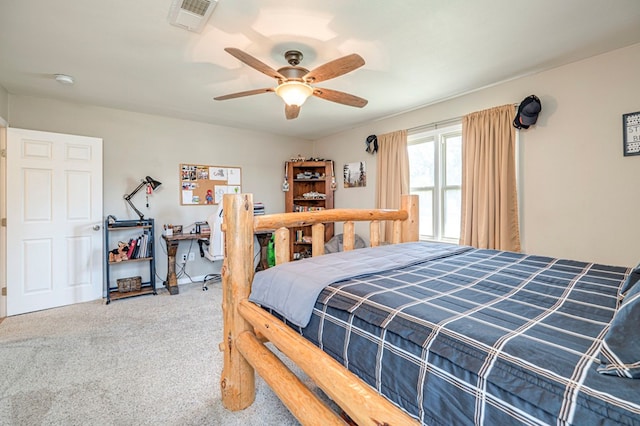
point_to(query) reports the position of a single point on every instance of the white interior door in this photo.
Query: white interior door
(54, 220)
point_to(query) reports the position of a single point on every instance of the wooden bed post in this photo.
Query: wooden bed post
(237, 382)
(317, 239)
(245, 323)
(348, 236)
(374, 233)
(410, 229)
(283, 253)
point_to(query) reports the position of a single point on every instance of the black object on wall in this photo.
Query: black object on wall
(372, 144)
(528, 111)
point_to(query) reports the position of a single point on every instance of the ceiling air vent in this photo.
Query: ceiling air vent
(191, 15)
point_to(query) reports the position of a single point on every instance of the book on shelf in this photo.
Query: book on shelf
(139, 247)
(136, 248)
(146, 245)
(203, 228)
(132, 247)
(299, 208)
(142, 247)
(258, 208)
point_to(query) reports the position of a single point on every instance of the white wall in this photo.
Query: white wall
(137, 145)
(580, 197)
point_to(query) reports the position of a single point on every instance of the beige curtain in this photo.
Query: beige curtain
(393, 174)
(489, 198)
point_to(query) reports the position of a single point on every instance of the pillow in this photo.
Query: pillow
(620, 352)
(335, 244)
(633, 278)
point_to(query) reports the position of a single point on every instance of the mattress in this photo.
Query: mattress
(481, 337)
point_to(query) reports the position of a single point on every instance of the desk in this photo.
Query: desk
(173, 241)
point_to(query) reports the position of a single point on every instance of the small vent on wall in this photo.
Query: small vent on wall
(192, 15)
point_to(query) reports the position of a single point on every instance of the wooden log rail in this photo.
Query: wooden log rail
(244, 353)
(405, 226)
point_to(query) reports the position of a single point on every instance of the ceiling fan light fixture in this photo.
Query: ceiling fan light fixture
(294, 81)
(294, 92)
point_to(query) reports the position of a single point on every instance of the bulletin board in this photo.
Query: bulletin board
(203, 184)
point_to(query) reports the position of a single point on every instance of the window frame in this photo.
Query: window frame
(439, 136)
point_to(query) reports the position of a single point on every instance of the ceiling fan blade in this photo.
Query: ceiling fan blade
(254, 63)
(334, 68)
(246, 93)
(291, 111)
(339, 97)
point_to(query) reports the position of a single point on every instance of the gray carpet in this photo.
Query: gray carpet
(138, 361)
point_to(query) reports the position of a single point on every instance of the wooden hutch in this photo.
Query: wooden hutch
(311, 185)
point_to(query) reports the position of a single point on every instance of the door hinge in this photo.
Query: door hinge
(3, 222)
(3, 153)
(4, 291)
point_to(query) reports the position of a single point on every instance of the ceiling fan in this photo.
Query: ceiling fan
(294, 82)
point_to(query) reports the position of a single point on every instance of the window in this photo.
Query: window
(435, 174)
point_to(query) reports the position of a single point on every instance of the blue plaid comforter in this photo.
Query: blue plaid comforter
(482, 337)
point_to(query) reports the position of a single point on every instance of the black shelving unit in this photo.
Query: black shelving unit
(121, 230)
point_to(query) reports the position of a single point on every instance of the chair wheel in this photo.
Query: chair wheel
(205, 288)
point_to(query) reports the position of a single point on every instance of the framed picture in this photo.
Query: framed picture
(631, 133)
(355, 175)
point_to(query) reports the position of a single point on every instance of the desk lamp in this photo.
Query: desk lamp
(146, 181)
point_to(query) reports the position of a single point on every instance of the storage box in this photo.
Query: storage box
(126, 285)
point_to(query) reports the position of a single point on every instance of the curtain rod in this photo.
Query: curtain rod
(442, 123)
(435, 125)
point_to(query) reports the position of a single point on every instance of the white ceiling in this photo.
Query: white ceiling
(124, 54)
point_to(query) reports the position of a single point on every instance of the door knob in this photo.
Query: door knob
(96, 227)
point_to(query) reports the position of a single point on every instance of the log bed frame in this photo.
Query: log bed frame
(247, 326)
